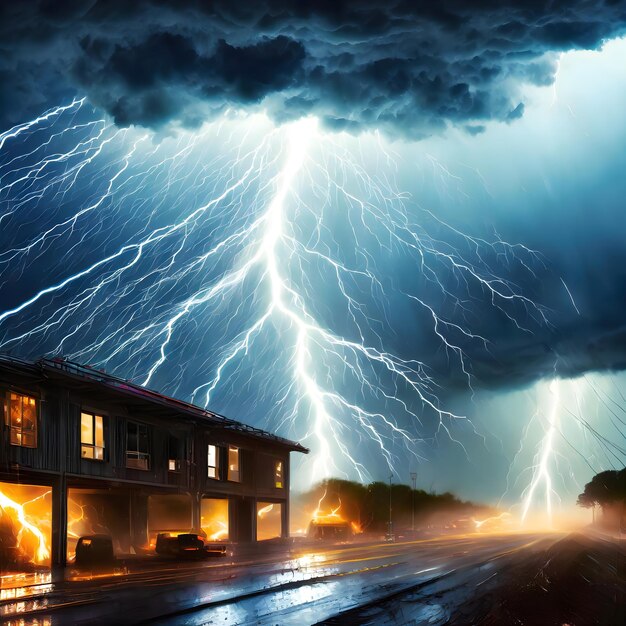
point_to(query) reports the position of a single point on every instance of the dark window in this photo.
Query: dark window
(21, 418)
(137, 446)
(174, 454)
(91, 436)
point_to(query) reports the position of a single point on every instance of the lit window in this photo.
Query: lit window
(213, 462)
(137, 446)
(233, 464)
(174, 455)
(21, 418)
(91, 436)
(278, 474)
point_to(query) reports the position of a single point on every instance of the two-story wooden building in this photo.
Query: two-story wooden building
(101, 454)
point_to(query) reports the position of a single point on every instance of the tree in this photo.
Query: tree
(608, 490)
(604, 489)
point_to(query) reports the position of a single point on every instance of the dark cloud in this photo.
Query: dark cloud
(406, 67)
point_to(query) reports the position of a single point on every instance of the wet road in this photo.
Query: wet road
(306, 585)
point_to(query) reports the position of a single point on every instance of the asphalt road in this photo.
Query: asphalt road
(307, 585)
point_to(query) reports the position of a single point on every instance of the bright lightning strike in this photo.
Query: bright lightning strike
(257, 269)
(541, 470)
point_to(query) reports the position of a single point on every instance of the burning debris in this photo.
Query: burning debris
(331, 526)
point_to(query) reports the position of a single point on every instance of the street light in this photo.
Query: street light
(413, 480)
(389, 533)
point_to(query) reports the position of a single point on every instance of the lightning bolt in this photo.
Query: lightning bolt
(541, 470)
(244, 239)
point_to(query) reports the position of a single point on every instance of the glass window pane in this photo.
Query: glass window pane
(16, 411)
(214, 518)
(99, 439)
(142, 438)
(213, 461)
(269, 520)
(278, 474)
(29, 440)
(131, 443)
(87, 452)
(233, 464)
(29, 414)
(86, 428)
(22, 419)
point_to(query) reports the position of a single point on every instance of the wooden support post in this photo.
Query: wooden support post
(59, 522)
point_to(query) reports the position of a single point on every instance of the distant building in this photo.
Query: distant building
(103, 455)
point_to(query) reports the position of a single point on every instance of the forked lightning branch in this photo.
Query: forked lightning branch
(253, 259)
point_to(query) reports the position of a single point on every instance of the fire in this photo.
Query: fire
(29, 523)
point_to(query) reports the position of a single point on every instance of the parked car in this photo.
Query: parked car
(94, 550)
(187, 546)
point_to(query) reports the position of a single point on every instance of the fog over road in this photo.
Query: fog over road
(301, 585)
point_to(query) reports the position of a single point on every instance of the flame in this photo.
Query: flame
(27, 527)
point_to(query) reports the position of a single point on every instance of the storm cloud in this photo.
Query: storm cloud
(410, 69)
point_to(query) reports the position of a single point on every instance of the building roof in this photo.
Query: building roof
(70, 371)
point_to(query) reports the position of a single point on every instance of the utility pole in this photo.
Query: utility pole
(390, 533)
(413, 480)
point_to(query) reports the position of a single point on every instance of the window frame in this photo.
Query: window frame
(20, 429)
(177, 459)
(140, 455)
(279, 474)
(217, 466)
(238, 470)
(84, 445)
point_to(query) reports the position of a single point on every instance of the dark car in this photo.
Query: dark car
(186, 546)
(332, 531)
(94, 550)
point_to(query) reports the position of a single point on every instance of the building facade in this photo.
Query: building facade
(101, 454)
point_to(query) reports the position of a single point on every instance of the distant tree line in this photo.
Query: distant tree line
(368, 504)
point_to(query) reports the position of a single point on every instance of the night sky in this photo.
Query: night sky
(489, 122)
